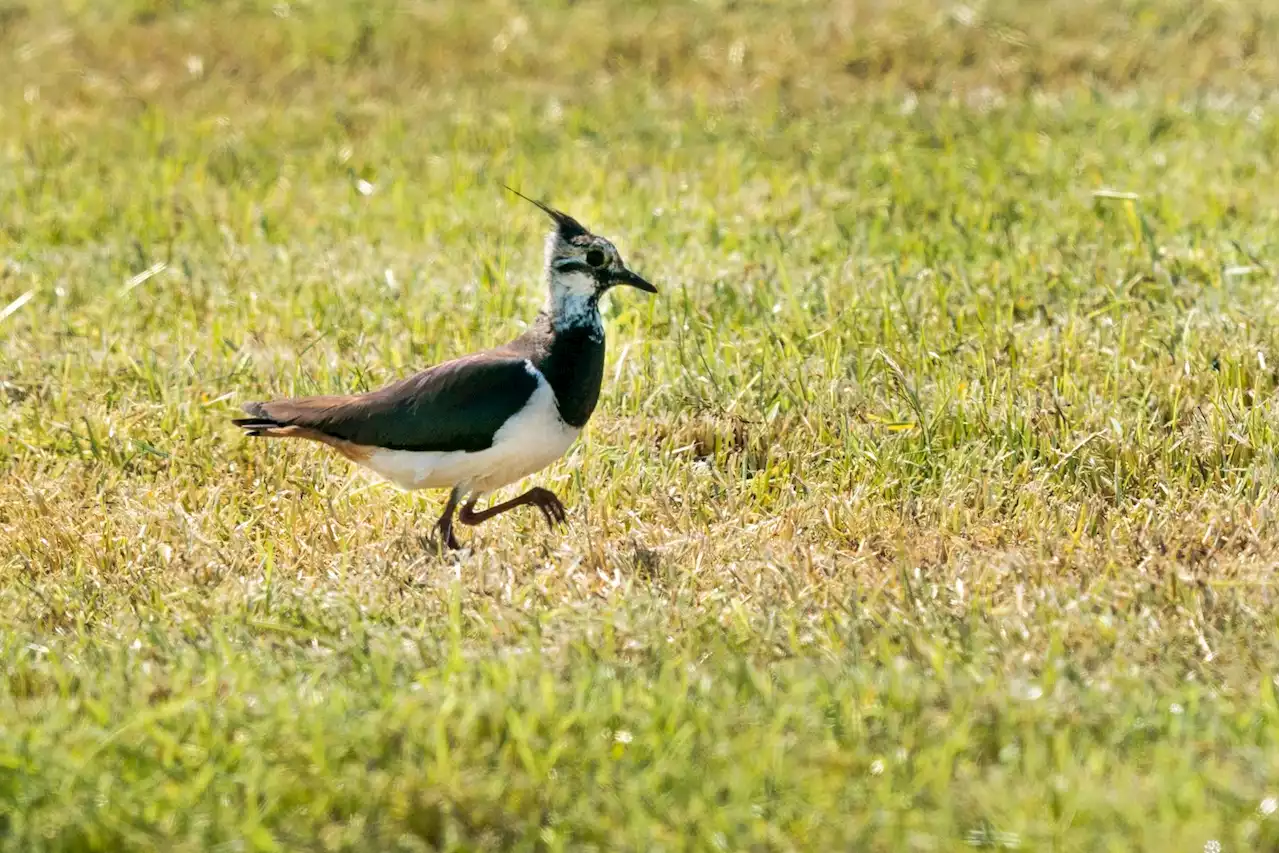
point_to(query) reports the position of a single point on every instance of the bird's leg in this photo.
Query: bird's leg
(552, 509)
(444, 527)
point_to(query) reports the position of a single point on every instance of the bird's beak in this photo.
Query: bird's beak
(630, 278)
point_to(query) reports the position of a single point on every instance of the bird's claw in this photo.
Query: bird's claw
(552, 509)
(444, 540)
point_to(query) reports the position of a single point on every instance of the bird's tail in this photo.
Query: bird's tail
(262, 425)
(259, 423)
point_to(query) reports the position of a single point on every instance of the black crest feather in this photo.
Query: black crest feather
(565, 224)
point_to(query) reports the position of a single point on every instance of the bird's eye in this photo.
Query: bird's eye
(595, 257)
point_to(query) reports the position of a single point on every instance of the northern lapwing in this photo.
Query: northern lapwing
(482, 421)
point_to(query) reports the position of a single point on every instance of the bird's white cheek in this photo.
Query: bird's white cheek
(577, 284)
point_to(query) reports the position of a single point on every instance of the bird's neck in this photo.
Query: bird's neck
(570, 351)
(574, 304)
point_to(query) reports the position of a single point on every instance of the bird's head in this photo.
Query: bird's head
(582, 266)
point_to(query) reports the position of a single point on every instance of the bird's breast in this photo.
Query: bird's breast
(574, 368)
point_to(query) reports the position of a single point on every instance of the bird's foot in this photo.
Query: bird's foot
(444, 540)
(552, 509)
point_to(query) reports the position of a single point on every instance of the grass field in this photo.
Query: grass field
(932, 504)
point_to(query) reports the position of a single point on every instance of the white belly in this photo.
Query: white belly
(529, 441)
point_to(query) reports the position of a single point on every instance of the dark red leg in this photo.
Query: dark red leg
(444, 527)
(552, 509)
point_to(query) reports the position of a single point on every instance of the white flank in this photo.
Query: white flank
(529, 441)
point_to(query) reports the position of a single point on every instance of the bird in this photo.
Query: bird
(482, 421)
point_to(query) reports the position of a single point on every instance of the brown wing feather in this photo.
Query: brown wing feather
(457, 405)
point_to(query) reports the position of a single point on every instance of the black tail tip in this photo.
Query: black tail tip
(257, 423)
(252, 429)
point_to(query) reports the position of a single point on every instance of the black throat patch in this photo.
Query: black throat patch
(574, 367)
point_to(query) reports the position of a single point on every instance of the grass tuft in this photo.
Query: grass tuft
(931, 506)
